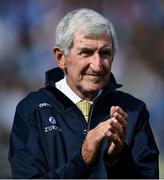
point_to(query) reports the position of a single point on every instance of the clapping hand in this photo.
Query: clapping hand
(115, 129)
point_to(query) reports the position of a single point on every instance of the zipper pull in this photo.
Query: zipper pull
(85, 132)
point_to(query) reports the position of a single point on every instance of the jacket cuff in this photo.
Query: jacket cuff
(112, 162)
(82, 169)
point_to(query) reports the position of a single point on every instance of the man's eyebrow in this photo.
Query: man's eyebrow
(85, 48)
(90, 48)
(106, 48)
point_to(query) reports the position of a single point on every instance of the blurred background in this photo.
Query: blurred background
(26, 42)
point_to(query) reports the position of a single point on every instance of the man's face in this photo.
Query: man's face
(88, 64)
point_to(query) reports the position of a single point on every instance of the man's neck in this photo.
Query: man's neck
(64, 87)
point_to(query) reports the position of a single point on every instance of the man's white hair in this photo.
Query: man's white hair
(84, 20)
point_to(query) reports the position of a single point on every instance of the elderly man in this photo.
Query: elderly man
(79, 125)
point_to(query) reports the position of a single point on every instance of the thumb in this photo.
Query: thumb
(112, 111)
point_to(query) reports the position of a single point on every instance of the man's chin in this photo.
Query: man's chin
(93, 89)
(94, 79)
(90, 89)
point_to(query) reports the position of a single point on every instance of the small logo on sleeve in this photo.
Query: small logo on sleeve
(44, 105)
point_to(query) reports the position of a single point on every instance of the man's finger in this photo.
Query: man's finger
(121, 112)
(120, 119)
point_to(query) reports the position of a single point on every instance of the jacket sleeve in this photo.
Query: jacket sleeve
(140, 161)
(27, 158)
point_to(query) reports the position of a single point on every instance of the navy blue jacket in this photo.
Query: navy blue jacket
(49, 130)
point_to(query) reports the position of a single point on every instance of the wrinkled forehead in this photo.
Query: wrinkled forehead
(94, 33)
(84, 38)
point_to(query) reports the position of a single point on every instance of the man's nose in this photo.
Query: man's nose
(96, 63)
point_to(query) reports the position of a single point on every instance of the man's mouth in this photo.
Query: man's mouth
(95, 75)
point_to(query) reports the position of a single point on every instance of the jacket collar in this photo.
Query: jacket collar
(56, 74)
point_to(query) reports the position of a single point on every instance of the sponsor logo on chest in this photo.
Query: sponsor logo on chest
(52, 127)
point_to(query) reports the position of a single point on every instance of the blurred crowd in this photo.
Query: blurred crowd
(27, 38)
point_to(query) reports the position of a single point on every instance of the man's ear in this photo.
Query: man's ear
(60, 58)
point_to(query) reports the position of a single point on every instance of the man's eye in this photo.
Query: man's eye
(105, 54)
(87, 53)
